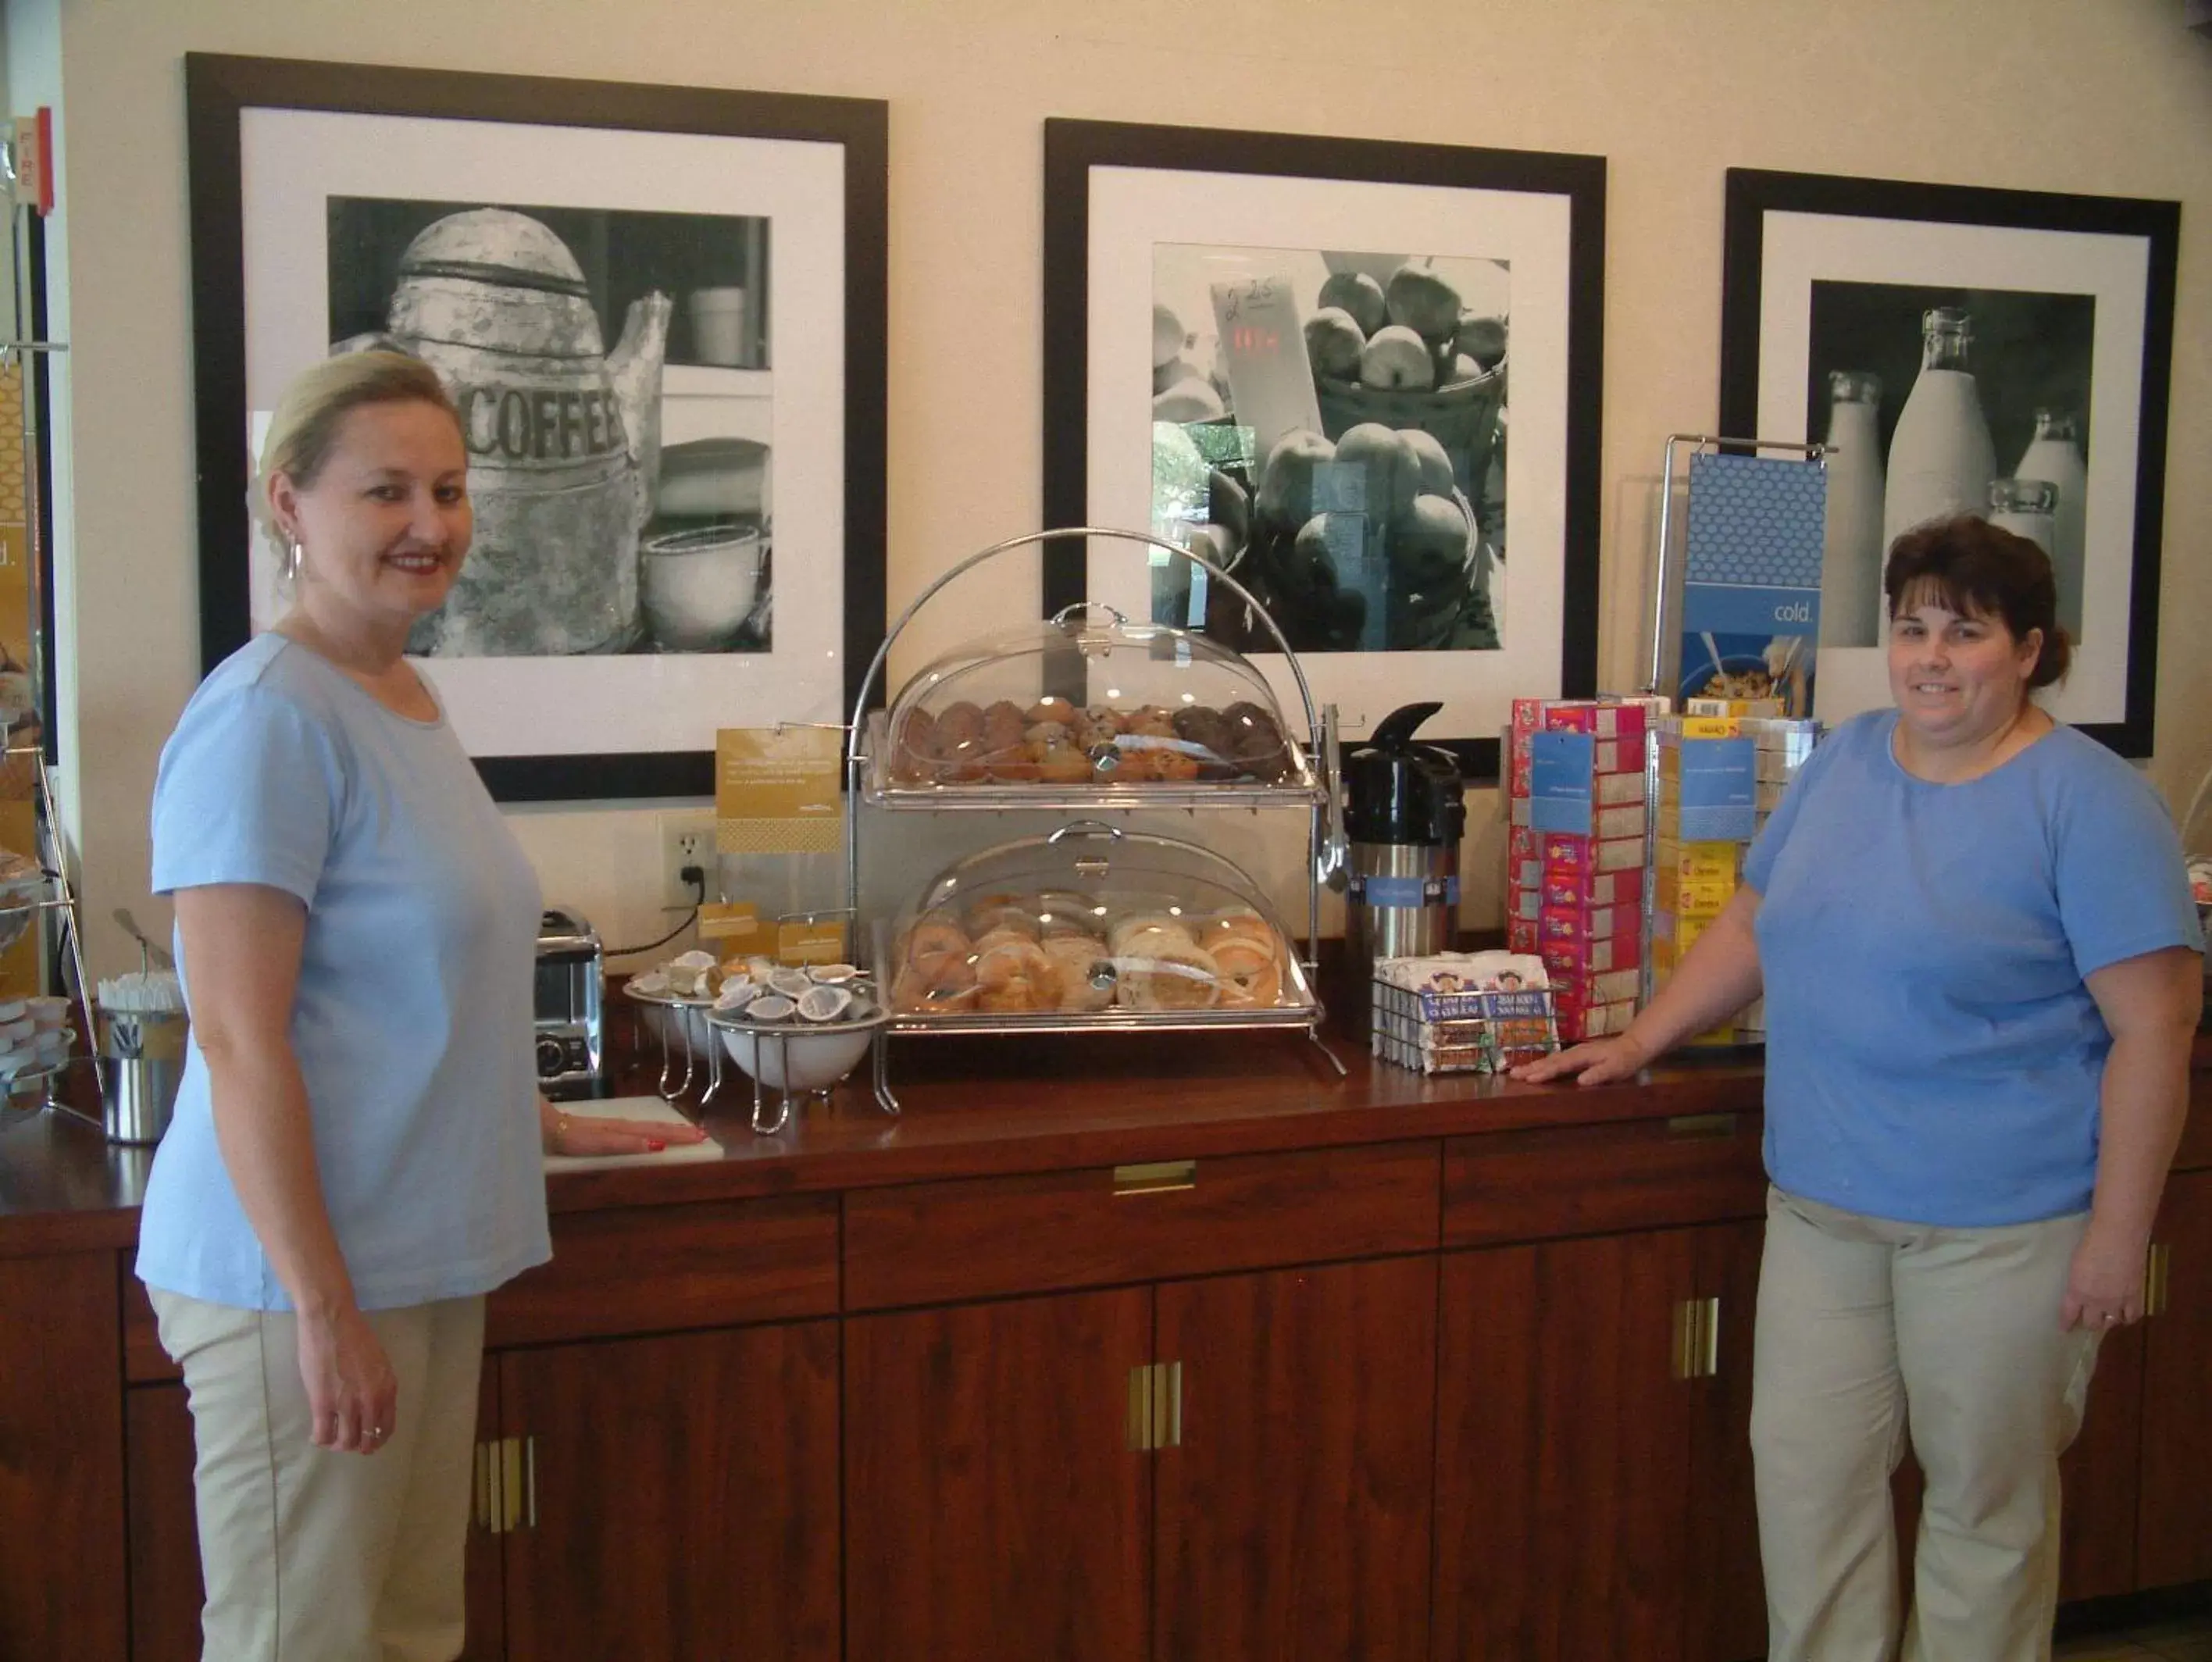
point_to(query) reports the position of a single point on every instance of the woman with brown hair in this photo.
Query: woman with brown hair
(1979, 959)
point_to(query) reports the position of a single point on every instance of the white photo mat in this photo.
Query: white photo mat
(1798, 249)
(1133, 209)
(294, 161)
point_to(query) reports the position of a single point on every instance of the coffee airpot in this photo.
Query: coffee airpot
(1404, 812)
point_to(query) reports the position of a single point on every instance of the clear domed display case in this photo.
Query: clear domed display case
(1091, 926)
(1083, 711)
(1095, 926)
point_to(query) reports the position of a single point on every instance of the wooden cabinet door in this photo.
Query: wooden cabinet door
(1293, 1515)
(1726, 1599)
(2173, 1542)
(166, 1593)
(2099, 1477)
(680, 1496)
(166, 1589)
(1563, 1450)
(62, 1531)
(994, 1506)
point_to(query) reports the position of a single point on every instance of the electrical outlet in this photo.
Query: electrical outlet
(686, 840)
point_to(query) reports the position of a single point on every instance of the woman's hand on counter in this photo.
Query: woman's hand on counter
(583, 1135)
(1596, 1062)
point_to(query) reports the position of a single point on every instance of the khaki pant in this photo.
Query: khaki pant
(311, 1556)
(1866, 1327)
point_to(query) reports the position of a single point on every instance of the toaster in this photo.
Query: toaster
(571, 1031)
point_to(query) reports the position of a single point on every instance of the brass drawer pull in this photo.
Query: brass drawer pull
(1696, 1346)
(1155, 1407)
(1703, 1125)
(2155, 1274)
(1160, 1177)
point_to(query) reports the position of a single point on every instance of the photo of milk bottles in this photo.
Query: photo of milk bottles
(2025, 507)
(2054, 455)
(1852, 552)
(1940, 458)
(1936, 401)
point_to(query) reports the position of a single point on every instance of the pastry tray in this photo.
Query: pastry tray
(1300, 1010)
(1301, 789)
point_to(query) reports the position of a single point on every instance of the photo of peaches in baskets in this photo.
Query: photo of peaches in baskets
(1329, 427)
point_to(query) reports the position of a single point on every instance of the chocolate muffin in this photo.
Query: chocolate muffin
(1256, 744)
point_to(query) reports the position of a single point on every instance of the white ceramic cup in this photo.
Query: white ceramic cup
(695, 587)
(718, 324)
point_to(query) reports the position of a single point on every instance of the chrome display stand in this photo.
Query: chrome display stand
(680, 1014)
(52, 857)
(1312, 787)
(1662, 598)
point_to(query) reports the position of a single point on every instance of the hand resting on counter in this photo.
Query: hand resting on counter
(1596, 1062)
(582, 1136)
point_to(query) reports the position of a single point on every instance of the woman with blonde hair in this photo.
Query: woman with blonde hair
(354, 1160)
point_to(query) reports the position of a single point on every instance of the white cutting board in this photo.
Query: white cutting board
(645, 1110)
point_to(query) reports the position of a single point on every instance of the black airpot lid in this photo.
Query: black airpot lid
(1396, 790)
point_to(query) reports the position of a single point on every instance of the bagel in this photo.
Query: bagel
(932, 935)
(1087, 972)
(1159, 969)
(1015, 973)
(1251, 974)
(991, 913)
(936, 982)
(1127, 929)
(1238, 926)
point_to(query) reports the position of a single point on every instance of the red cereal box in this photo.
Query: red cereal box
(1596, 888)
(1598, 720)
(1594, 922)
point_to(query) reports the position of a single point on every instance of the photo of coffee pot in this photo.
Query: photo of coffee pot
(563, 436)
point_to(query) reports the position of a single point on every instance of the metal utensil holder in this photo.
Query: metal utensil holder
(1328, 847)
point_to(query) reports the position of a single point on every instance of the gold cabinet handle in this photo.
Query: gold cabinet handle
(487, 1482)
(1696, 1345)
(1158, 1177)
(1685, 1339)
(1703, 1125)
(1155, 1407)
(510, 1485)
(2155, 1274)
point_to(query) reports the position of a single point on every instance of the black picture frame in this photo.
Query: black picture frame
(1073, 148)
(219, 92)
(1862, 208)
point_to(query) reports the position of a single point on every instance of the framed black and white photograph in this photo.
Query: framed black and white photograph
(660, 312)
(1292, 355)
(1963, 350)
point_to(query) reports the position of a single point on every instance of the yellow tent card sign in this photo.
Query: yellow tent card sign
(729, 920)
(776, 791)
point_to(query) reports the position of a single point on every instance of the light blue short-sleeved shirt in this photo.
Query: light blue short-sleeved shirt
(1933, 1055)
(412, 1022)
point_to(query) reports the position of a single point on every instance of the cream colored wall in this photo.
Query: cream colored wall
(2090, 95)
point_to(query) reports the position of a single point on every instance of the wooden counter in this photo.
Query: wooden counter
(1103, 1348)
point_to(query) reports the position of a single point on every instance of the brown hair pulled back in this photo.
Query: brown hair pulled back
(1974, 569)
